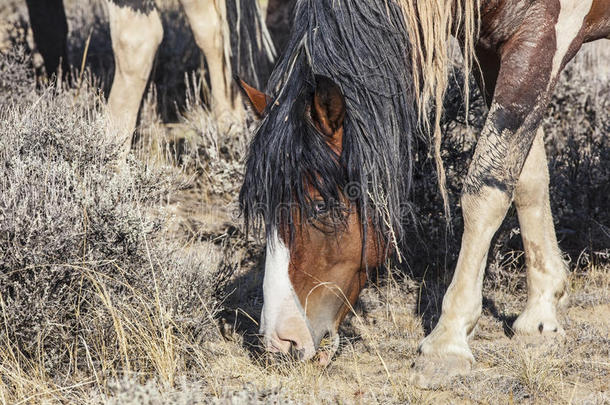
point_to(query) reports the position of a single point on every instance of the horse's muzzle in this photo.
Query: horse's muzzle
(290, 336)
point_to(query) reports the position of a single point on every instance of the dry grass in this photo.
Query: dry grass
(152, 327)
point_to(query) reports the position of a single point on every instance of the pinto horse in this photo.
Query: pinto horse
(329, 166)
(230, 33)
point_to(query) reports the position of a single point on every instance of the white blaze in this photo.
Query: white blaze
(277, 288)
(283, 318)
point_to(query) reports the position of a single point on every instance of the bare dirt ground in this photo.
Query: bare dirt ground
(186, 341)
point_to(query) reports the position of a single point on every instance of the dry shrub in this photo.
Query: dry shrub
(576, 133)
(17, 79)
(215, 156)
(89, 280)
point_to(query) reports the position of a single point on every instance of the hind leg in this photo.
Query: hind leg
(50, 29)
(546, 273)
(136, 31)
(209, 24)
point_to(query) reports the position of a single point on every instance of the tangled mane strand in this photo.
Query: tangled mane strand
(363, 47)
(249, 47)
(430, 25)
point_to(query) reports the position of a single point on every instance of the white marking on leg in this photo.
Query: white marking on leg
(571, 18)
(208, 20)
(462, 302)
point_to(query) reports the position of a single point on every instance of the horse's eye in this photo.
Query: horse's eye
(320, 207)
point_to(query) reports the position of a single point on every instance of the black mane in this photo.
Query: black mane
(252, 52)
(363, 47)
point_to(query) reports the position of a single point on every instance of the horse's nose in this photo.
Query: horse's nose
(282, 344)
(292, 338)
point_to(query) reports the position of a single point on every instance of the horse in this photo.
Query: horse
(329, 167)
(231, 34)
(279, 21)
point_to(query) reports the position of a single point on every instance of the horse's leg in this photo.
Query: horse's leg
(545, 267)
(50, 29)
(483, 210)
(209, 24)
(136, 32)
(546, 273)
(530, 62)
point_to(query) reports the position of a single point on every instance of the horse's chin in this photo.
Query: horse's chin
(327, 349)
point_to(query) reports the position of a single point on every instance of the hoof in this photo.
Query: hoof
(436, 372)
(538, 334)
(537, 328)
(541, 339)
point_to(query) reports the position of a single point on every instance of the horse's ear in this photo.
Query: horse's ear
(328, 109)
(258, 99)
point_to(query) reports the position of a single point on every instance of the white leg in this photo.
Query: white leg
(462, 303)
(483, 213)
(445, 352)
(136, 35)
(524, 84)
(546, 272)
(209, 24)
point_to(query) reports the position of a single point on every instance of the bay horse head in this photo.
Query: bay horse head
(328, 168)
(318, 251)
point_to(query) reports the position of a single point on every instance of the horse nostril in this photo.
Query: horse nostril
(294, 351)
(290, 346)
(292, 337)
(276, 344)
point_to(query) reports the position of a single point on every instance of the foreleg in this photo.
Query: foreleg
(136, 32)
